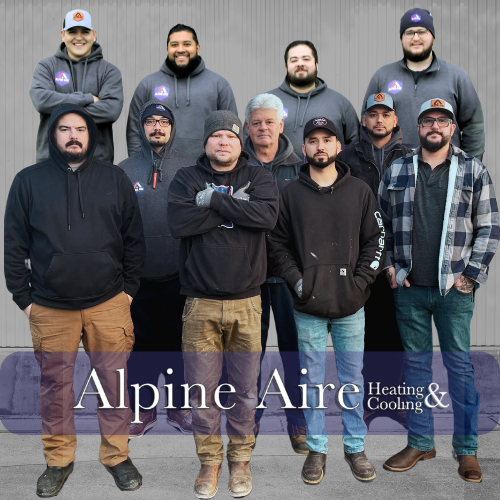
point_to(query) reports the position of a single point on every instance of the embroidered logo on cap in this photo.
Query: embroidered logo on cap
(415, 18)
(160, 107)
(285, 113)
(394, 87)
(78, 16)
(379, 97)
(343, 271)
(236, 129)
(138, 188)
(62, 78)
(161, 92)
(437, 103)
(375, 264)
(320, 122)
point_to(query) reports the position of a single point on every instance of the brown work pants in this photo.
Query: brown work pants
(108, 338)
(210, 328)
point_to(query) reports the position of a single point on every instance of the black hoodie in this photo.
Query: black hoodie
(223, 248)
(81, 230)
(332, 238)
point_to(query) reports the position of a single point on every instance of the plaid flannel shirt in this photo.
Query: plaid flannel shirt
(470, 227)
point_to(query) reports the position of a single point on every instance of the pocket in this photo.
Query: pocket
(256, 303)
(218, 269)
(80, 275)
(465, 202)
(188, 308)
(396, 192)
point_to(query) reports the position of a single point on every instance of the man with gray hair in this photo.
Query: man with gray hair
(268, 147)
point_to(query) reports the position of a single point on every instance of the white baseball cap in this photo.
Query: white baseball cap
(77, 17)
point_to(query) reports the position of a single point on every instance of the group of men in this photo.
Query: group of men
(301, 216)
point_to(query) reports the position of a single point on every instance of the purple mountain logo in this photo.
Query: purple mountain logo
(161, 92)
(62, 78)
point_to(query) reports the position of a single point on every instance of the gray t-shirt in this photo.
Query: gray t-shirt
(428, 215)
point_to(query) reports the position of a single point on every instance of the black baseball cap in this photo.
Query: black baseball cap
(319, 122)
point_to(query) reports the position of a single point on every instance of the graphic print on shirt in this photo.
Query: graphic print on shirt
(161, 92)
(285, 113)
(138, 188)
(62, 78)
(394, 87)
(227, 190)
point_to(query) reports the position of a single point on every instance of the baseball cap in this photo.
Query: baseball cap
(437, 105)
(379, 99)
(77, 17)
(319, 122)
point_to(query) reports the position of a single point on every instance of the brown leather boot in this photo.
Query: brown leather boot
(313, 470)
(468, 468)
(182, 420)
(361, 467)
(206, 484)
(407, 458)
(297, 434)
(240, 480)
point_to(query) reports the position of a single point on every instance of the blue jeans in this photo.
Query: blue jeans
(415, 307)
(348, 342)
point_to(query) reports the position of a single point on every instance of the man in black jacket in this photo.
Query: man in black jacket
(221, 209)
(381, 144)
(74, 253)
(328, 245)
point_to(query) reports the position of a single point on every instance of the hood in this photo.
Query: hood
(285, 87)
(165, 69)
(397, 138)
(203, 162)
(285, 150)
(343, 174)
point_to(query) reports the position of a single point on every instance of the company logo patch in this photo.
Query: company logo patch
(394, 87)
(415, 18)
(375, 264)
(161, 92)
(236, 129)
(343, 271)
(285, 113)
(160, 107)
(138, 188)
(62, 78)
(379, 98)
(437, 103)
(227, 190)
(320, 122)
(78, 16)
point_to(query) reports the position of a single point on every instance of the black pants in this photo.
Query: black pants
(157, 316)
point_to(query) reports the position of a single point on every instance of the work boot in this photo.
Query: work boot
(182, 420)
(126, 475)
(297, 434)
(148, 420)
(206, 484)
(361, 467)
(50, 483)
(468, 468)
(407, 458)
(240, 481)
(313, 470)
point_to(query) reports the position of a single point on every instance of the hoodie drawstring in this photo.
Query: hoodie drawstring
(305, 109)
(156, 171)
(80, 194)
(188, 82)
(84, 75)
(72, 75)
(69, 207)
(175, 90)
(297, 114)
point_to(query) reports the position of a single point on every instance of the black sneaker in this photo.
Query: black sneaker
(50, 483)
(127, 477)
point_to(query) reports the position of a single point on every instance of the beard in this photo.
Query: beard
(302, 81)
(157, 143)
(186, 69)
(433, 147)
(410, 56)
(73, 156)
(321, 163)
(223, 162)
(379, 134)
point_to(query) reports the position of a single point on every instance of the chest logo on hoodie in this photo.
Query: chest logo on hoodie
(394, 87)
(285, 113)
(62, 78)
(138, 188)
(161, 92)
(226, 190)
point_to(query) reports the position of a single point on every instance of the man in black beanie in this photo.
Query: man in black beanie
(420, 76)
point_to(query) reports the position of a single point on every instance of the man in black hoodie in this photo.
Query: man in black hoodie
(74, 253)
(78, 74)
(327, 246)
(221, 209)
(157, 307)
(381, 144)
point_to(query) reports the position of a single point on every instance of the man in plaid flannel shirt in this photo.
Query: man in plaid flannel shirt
(442, 230)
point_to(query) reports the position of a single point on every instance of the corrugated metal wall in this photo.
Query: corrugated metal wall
(243, 40)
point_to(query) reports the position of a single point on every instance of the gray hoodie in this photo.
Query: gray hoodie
(322, 101)
(62, 80)
(192, 98)
(443, 80)
(162, 251)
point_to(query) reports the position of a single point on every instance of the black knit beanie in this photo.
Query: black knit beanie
(417, 17)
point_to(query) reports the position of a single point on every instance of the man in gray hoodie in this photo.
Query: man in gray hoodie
(306, 96)
(420, 76)
(184, 84)
(78, 74)
(158, 305)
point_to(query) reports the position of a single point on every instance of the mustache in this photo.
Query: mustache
(74, 143)
(152, 134)
(436, 132)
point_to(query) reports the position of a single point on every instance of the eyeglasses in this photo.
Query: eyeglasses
(151, 122)
(412, 33)
(429, 122)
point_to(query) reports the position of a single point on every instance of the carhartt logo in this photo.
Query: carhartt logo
(320, 122)
(236, 129)
(437, 103)
(285, 113)
(415, 18)
(343, 271)
(379, 97)
(61, 78)
(78, 16)
(394, 87)
(375, 264)
(161, 92)
(138, 188)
